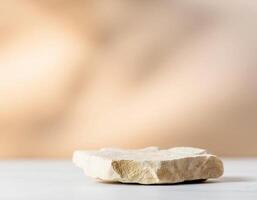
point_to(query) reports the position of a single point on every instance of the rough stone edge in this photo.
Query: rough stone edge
(168, 171)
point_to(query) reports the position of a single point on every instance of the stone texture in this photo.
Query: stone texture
(150, 165)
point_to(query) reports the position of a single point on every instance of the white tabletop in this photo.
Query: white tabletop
(56, 180)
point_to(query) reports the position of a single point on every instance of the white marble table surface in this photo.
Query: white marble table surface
(56, 180)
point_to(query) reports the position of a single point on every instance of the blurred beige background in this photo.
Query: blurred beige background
(89, 74)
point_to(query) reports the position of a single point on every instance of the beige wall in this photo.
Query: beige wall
(91, 74)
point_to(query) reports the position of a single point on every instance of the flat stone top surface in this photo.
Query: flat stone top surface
(61, 180)
(149, 153)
